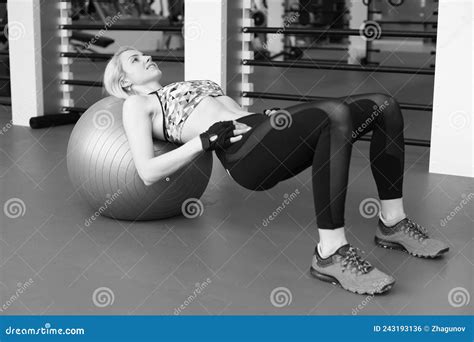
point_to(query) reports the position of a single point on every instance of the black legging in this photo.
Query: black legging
(320, 134)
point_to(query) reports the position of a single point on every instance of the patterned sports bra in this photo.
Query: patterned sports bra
(178, 100)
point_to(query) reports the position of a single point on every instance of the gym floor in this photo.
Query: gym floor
(153, 267)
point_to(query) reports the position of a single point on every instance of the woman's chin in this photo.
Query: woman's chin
(153, 75)
(156, 72)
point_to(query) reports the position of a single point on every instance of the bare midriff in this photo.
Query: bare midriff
(209, 111)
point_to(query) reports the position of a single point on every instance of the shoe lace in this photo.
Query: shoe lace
(415, 230)
(352, 260)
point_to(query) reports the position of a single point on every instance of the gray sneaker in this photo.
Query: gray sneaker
(350, 271)
(409, 237)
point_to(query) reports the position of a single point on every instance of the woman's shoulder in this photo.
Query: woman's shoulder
(136, 100)
(138, 104)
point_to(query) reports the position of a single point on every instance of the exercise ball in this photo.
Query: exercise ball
(102, 170)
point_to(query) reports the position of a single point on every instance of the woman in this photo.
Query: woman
(261, 150)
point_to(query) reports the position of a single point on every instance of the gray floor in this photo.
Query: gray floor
(153, 267)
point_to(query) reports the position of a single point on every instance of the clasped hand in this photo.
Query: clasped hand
(222, 134)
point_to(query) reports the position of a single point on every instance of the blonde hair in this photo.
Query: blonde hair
(114, 73)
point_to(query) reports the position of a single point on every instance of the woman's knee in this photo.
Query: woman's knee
(339, 116)
(383, 99)
(390, 108)
(386, 102)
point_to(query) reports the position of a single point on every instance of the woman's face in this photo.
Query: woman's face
(139, 68)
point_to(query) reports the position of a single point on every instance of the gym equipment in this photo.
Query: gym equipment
(396, 3)
(261, 54)
(259, 18)
(87, 37)
(71, 114)
(82, 41)
(336, 32)
(295, 53)
(101, 168)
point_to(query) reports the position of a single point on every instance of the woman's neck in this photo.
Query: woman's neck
(147, 88)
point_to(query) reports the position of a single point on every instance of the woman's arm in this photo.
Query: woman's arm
(138, 127)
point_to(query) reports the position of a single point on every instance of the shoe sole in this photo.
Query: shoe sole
(397, 246)
(333, 280)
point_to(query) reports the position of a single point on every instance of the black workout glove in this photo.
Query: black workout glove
(217, 136)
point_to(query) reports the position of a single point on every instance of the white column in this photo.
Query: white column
(25, 60)
(275, 16)
(34, 45)
(205, 40)
(452, 144)
(357, 44)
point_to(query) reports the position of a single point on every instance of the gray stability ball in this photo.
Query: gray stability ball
(102, 170)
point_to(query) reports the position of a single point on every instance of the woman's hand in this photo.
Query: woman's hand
(222, 134)
(240, 128)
